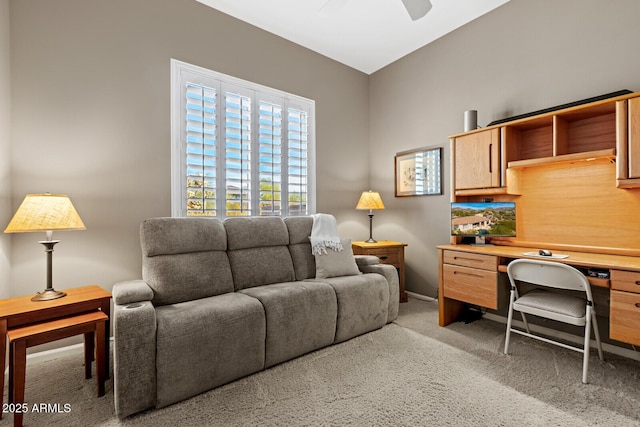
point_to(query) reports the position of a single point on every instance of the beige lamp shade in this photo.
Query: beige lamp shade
(45, 212)
(370, 200)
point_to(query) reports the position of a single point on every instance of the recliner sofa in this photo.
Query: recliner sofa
(220, 300)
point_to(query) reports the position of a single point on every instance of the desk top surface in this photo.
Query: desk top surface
(583, 259)
(23, 305)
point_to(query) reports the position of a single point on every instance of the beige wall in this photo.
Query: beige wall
(5, 149)
(523, 56)
(91, 118)
(90, 113)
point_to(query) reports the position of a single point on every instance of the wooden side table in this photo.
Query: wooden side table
(389, 252)
(92, 325)
(21, 311)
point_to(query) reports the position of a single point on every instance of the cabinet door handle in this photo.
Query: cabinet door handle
(490, 158)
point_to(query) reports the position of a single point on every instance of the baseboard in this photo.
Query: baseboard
(54, 353)
(420, 296)
(609, 348)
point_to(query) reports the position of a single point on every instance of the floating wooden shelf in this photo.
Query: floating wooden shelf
(495, 191)
(565, 158)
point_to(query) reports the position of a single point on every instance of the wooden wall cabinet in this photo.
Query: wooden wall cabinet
(569, 135)
(483, 160)
(476, 160)
(628, 147)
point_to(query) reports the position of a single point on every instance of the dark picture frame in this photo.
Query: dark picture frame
(418, 172)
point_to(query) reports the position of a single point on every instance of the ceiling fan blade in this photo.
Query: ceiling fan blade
(332, 6)
(416, 8)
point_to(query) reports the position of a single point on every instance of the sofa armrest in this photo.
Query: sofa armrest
(131, 291)
(391, 274)
(134, 326)
(364, 260)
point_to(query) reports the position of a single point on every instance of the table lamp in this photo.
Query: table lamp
(370, 200)
(48, 213)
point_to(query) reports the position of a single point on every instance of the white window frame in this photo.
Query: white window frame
(181, 73)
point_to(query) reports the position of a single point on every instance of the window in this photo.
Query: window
(238, 148)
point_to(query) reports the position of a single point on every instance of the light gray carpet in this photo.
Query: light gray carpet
(409, 373)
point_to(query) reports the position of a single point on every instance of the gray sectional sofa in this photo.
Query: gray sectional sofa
(220, 300)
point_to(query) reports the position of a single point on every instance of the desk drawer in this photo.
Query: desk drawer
(468, 259)
(386, 255)
(624, 319)
(471, 285)
(625, 280)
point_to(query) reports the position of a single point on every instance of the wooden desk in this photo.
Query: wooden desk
(389, 252)
(470, 274)
(20, 311)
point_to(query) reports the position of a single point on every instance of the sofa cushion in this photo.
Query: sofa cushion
(167, 236)
(301, 317)
(337, 263)
(363, 303)
(255, 232)
(185, 259)
(208, 342)
(304, 263)
(258, 252)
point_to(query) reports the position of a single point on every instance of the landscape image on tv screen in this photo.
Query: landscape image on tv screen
(483, 219)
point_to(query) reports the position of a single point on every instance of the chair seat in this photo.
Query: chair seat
(561, 307)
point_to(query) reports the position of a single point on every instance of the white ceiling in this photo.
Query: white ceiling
(364, 34)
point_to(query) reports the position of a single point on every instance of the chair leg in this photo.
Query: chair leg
(587, 345)
(596, 332)
(509, 320)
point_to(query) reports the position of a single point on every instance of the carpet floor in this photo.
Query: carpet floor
(410, 373)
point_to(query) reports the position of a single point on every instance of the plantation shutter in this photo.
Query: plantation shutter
(298, 161)
(270, 158)
(238, 154)
(200, 150)
(238, 148)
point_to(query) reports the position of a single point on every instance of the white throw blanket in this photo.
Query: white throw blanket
(324, 234)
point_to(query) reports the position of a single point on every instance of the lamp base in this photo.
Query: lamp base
(48, 294)
(371, 240)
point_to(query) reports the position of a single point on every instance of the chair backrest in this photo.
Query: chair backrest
(549, 274)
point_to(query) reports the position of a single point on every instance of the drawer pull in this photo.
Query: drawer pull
(638, 304)
(638, 282)
(466, 259)
(470, 274)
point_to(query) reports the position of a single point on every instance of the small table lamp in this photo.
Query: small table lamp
(370, 200)
(46, 212)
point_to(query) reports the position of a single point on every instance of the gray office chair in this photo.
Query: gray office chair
(571, 309)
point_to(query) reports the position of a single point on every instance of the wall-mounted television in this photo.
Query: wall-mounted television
(483, 219)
